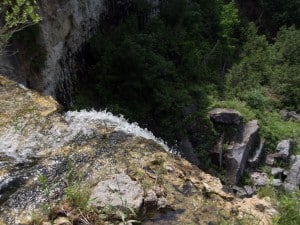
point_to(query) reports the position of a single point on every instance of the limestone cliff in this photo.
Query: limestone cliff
(65, 27)
(36, 140)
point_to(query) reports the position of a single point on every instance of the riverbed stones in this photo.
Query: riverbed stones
(225, 116)
(118, 191)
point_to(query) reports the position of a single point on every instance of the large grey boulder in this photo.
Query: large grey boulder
(284, 149)
(293, 177)
(237, 155)
(118, 191)
(225, 116)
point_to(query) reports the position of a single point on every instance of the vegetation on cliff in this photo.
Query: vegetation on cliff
(15, 16)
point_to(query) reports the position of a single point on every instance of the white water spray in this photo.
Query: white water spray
(82, 121)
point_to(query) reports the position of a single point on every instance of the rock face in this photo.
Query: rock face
(293, 177)
(237, 155)
(39, 143)
(284, 149)
(65, 27)
(225, 116)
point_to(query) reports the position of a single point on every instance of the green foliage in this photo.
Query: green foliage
(247, 113)
(28, 43)
(272, 127)
(229, 21)
(15, 16)
(265, 68)
(78, 195)
(152, 75)
(289, 208)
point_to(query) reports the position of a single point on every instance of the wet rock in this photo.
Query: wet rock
(236, 158)
(225, 116)
(259, 179)
(292, 180)
(119, 191)
(258, 152)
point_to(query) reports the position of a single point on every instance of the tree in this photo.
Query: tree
(15, 15)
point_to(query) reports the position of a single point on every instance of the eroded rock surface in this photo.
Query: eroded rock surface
(119, 191)
(293, 177)
(38, 142)
(237, 155)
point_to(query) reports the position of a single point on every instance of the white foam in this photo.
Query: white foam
(82, 121)
(77, 125)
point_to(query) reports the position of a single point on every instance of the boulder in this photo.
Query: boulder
(292, 180)
(236, 157)
(284, 149)
(225, 116)
(119, 191)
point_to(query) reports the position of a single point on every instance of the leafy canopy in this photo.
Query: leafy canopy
(15, 15)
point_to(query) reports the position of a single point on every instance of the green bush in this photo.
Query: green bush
(289, 209)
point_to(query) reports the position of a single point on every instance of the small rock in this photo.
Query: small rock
(276, 182)
(270, 160)
(240, 191)
(162, 203)
(119, 191)
(150, 199)
(62, 221)
(46, 223)
(261, 207)
(249, 190)
(160, 192)
(260, 179)
(169, 169)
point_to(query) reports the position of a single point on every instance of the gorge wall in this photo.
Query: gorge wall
(65, 28)
(66, 25)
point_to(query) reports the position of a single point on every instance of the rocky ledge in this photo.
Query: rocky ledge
(44, 151)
